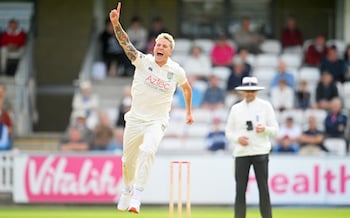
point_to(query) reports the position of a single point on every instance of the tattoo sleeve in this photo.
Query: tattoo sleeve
(125, 43)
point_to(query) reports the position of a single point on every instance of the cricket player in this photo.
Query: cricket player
(155, 80)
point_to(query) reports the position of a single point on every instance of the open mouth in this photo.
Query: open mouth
(159, 54)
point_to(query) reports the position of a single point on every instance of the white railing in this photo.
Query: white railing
(6, 171)
(25, 110)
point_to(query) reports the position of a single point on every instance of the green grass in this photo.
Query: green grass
(161, 212)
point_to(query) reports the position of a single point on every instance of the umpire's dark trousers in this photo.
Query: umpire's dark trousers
(242, 166)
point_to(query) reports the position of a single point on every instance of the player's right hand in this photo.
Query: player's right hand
(115, 14)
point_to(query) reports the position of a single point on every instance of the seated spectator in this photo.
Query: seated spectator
(78, 120)
(12, 42)
(197, 64)
(216, 139)
(316, 51)
(117, 142)
(157, 27)
(335, 122)
(222, 52)
(214, 96)
(334, 65)
(246, 38)
(197, 95)
(311, 140)
(5, 117)
(124, 106)
(5, 139)
(75, 141)
(3, 94)
(238, 71)
(282, 73)
(103, 134)
(326, 90)
(87, 101)
(291, 36)
(347, 63)
(137, 34)
(243, 55)
(282, 96)
(285, 145)
(303, 96)
(113, 55)
(289, 132)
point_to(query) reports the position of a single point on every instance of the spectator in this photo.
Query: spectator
(137, 34)
(216, 139)
(5, 117)
(112, 54)
(124, 107)
(326, 90)
(78, 121)
(197, 64)
(7, 103)
(335, 122)
(238, 71)
(291, 36)
(103, 134)
(87, 101)
(303, 96)
(334, 65)
(12, 43)
(117, 142)
(222, 52)
(282, 96)
(311, 140)
(5, 140)
(243, 55)
(316, 51)
(246, 38)
(214, 96)
(347, 63)
(289, 134)
(75, 141)
(285, 145)
(282, 73)
(157, 27)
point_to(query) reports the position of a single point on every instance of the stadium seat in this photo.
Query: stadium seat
(311, 74)
(266, 60)
(271, 46)
(291, 60)
(346, 92)
(340, 44)
(205, 44)
(182, 46)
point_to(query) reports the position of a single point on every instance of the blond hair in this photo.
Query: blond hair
(168, 37)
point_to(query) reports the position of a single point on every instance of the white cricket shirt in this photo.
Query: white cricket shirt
(257, 111)
(153, 88)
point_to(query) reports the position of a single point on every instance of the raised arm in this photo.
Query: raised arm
(121, 35)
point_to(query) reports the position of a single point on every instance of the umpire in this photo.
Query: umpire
(250, 124)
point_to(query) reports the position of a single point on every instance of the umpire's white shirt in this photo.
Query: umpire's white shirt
(257, 111)
(153, 88)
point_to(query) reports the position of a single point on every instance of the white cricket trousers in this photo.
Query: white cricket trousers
(141, 141)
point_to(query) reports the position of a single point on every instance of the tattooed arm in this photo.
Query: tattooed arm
(121, 35)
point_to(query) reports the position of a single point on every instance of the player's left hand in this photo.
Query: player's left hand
(260, 128)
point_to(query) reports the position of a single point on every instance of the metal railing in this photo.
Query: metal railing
(25, 111)
(6, 172)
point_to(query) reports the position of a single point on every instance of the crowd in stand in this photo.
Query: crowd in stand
(215, 71)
